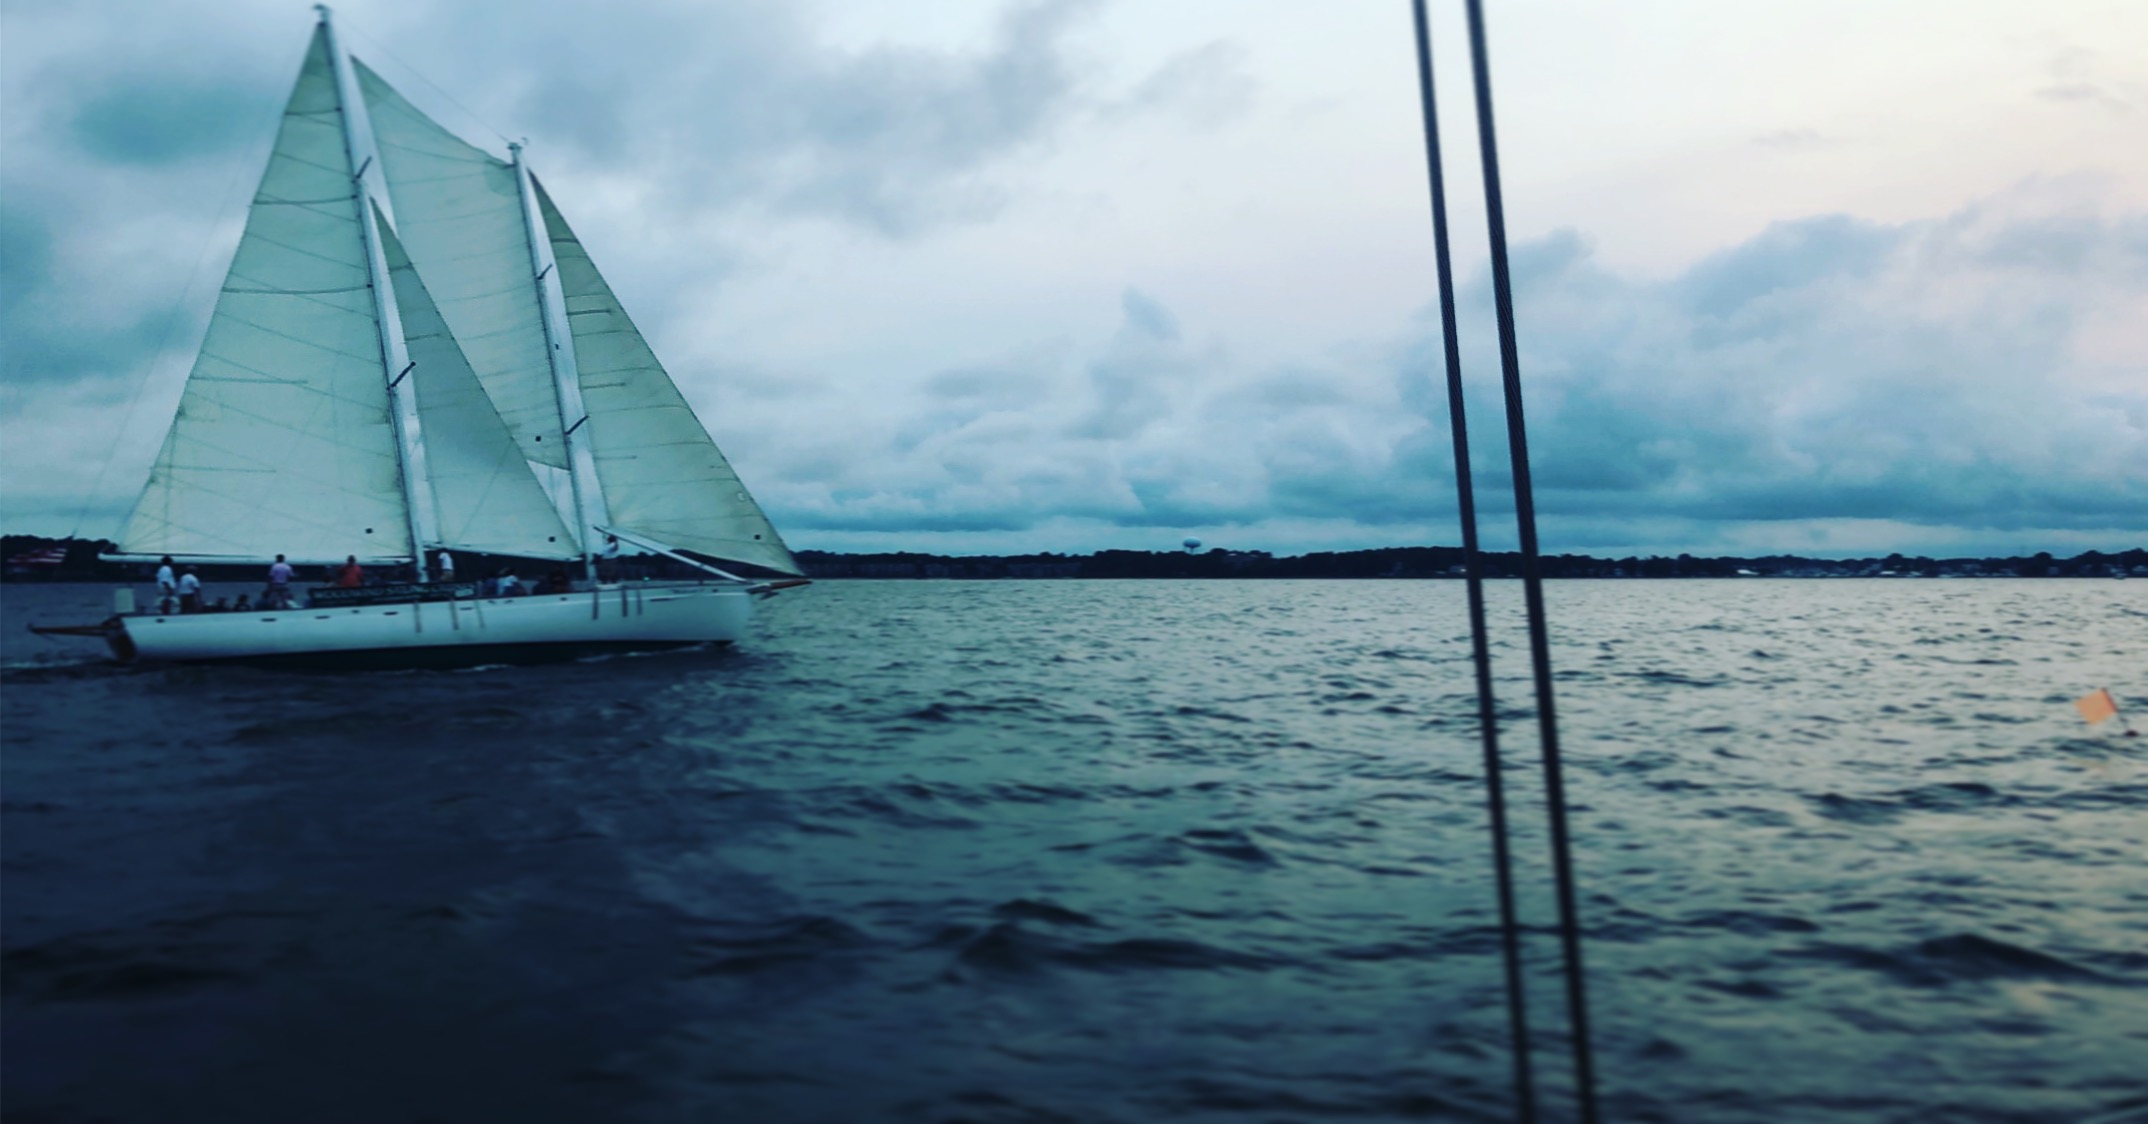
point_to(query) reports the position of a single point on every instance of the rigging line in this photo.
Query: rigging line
(1480, 648)
(1532, 577)
(209, 239)
(343, 21)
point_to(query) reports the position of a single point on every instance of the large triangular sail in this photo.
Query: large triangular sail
(458, 210)
(662, 474)
(482, 488)
(283, 441)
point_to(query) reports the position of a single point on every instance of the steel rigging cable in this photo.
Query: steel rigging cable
(1480, 651)
(1532, 577)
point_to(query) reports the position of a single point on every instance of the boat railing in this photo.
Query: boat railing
(326, 596)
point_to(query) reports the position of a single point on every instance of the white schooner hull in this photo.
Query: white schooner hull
(629, 617)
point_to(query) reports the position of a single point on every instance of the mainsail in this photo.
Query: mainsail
(459, 214)
(283, 441)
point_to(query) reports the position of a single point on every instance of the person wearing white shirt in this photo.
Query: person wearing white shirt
(189, 592)
(446, 565)
(278, 594)
(167, 585)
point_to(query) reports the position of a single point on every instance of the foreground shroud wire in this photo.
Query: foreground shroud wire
(1532, 584)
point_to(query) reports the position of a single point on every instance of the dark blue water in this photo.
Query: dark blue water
(1086, 851)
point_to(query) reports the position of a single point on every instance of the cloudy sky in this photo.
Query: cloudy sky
(978, 275)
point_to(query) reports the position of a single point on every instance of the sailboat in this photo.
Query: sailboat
(411, 353)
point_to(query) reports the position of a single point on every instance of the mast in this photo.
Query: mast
(396, 367)
(566, 376)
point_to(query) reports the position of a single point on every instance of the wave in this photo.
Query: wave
(1008, 947)
(1956, 958)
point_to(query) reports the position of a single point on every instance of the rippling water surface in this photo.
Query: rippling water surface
(1094, 851)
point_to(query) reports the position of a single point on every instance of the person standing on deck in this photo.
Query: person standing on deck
(351, 576)
(278, 595)
(189, 591)
(167, 585)
(445, 567)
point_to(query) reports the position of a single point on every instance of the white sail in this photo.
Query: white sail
(485, 495)
(283, 441)
(662, 474)
(459, 213)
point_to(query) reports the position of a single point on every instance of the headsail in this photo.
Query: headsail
(486, 498)
(662, 474)
(283, 440)
(459, 213)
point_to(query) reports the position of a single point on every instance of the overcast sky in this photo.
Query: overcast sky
(966, 275)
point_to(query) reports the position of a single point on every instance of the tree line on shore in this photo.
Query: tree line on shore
(1445, 562)
(34, 557)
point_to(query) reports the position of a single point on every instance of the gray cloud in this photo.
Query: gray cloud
(1831, 369)
(2075, 72)
(742, 104)
(1763, 279)
(25, 264)
(1207, 87)
(145, 121)
(1130, 384)
(1827, 370)
(57, 330)
(2083, 92)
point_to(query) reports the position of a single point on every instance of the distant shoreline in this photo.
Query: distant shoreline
(77, 561)
(1438, 562)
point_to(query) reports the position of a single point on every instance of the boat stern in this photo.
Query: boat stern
(117, 639)
(112, 630)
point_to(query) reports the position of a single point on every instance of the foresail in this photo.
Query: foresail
(486, 498)
(283, 442)
(459, 214)
(662, 474)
